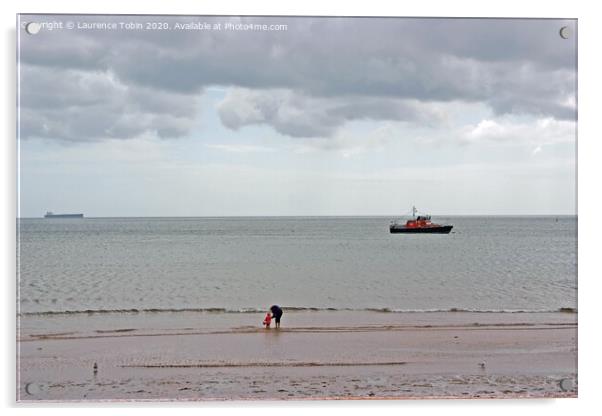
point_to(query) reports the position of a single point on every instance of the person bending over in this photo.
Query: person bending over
(276, 314)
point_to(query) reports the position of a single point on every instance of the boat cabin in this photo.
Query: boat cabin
(420, 221)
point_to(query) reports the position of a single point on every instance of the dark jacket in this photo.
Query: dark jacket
(276, 311)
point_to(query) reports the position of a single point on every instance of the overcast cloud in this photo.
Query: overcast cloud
(306, 82)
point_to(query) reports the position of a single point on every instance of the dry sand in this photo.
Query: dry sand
(203, 356)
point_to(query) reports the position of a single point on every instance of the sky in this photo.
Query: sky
(325, 116)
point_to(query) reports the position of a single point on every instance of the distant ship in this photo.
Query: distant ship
(420, 224)
(51, 215)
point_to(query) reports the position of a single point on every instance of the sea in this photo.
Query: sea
(240, 265)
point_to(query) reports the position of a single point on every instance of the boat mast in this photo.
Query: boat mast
(414, 211)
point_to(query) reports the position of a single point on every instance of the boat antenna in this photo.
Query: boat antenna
(414, 211)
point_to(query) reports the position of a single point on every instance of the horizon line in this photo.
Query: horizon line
(318, 216)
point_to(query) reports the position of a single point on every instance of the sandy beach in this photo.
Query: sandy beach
(315, 355)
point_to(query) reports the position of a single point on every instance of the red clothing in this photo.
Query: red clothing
(267, 320)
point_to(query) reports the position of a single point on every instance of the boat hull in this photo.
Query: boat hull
(64, 216)
(402, 229)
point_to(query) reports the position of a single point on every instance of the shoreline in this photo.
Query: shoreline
(293, 309)
(315, 355)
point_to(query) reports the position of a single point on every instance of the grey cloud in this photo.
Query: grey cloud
(339, 69)
(295, 114)
(77, 105)
(290, 114)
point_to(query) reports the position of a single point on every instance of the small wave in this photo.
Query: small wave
(141, 310)
(466, 310)
(217, 310)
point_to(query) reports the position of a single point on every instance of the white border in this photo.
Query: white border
(590, 214)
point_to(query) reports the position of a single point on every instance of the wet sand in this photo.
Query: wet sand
(315, 355)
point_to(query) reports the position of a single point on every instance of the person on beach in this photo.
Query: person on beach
(267, 320)
(276, 314)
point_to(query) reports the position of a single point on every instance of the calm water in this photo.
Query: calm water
(487, 263)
